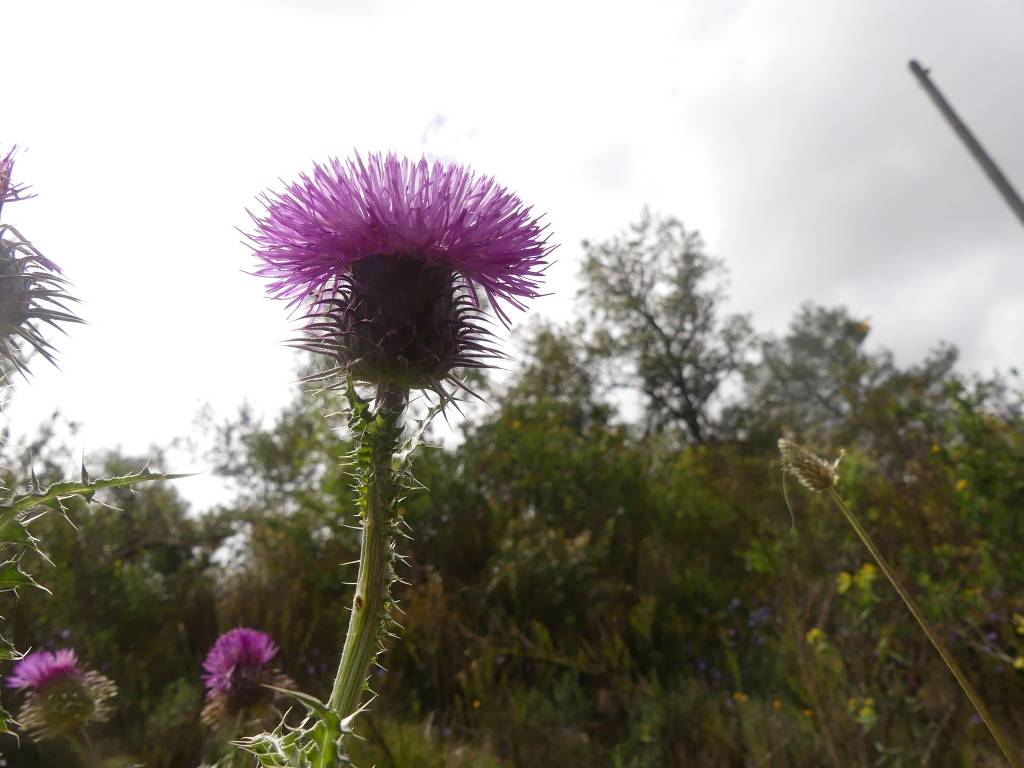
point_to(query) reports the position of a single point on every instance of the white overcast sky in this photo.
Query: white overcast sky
(789, 132)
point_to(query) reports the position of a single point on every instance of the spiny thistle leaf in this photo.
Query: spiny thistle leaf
(316, 743)
(403, 456)
(12, 577)
(7, 650)
(57, 492)
(360, 408)
(312, 704)
(13, 530)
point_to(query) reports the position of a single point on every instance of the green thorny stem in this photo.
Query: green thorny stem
(377, 435)
(918, 615)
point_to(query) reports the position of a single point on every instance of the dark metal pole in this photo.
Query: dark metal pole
(1006, 189)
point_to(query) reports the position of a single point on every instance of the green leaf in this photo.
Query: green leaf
(12, 577)
(316, 743)
(7, 653)
(12, 529)
(312, 703)
(53, 495)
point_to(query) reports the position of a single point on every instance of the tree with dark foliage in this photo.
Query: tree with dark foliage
(654, 296)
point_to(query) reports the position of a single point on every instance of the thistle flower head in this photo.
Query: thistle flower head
(235, 652)
(391, 259)
(236, 673)
(32, 289)
(39, 669)
(61, 697)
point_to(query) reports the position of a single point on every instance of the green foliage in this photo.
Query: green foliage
(655, 296)
(587, 589)
(816, 378)
(22, 510)
(395, 744)
(583, 593)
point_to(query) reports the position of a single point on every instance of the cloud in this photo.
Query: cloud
(788, 131)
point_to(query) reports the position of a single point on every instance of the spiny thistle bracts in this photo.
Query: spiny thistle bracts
(32, 288)
(390, 259)
(62, 698)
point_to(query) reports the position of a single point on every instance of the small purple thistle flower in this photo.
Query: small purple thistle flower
(237, 652)
(37, 670)
(236, 671)
(61, 696)
(391, 256)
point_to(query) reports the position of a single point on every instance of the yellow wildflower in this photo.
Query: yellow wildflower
(866, 576)
(815, 636)
(865, 709)
(741, 697)
(843, 582)
(1018, 623)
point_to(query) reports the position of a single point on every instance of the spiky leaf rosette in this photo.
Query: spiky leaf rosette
(33, 292)
(62, 698)
(391, 258)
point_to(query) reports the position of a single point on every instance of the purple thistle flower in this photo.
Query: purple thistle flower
(345, 212)
(236, 671)
(61, 696)
(235, 653)
(391, 256)
(37, 670)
